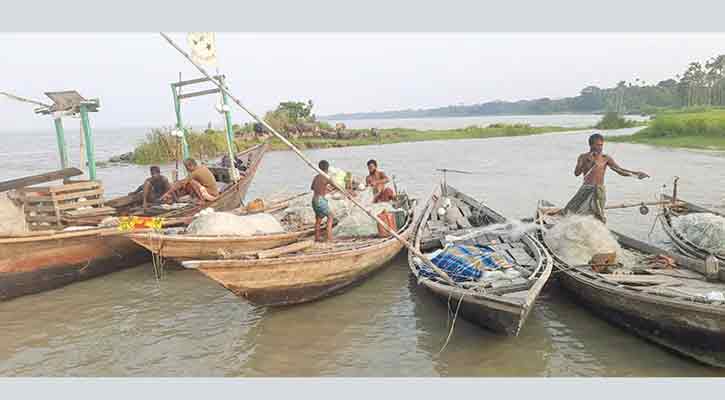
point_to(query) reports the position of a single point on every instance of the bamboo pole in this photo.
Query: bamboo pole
(392, 232)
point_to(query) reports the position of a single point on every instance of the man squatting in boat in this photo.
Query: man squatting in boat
(377, 179)
(153, 188)
(591, 197)
(319, 202)
(200, 184)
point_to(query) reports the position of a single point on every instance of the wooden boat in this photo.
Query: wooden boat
(675, 208)
(42, 261)
(230, 198)
(182, 246)
(305, 271)
(32, 264)
(664, 306)
(501, 306)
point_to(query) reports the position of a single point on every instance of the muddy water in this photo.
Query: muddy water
(127, 324)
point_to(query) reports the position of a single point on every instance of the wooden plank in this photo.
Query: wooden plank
(291, 248)
(199, 93)
(75, 186)
(79, 204)
(85, 193)
(42, 218)
(649, 279)
(90, 212)
(41, 178)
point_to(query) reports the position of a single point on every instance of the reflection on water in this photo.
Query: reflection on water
(127, 324)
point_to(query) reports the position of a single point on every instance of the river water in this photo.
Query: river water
(128, 324)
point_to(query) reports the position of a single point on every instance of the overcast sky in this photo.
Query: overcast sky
(131, 72)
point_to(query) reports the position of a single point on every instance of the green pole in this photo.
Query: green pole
(180, 124)
(230, 133)
(62, 148)
(88, 143)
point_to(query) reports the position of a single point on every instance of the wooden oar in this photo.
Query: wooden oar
(41, 178)
(292, 147)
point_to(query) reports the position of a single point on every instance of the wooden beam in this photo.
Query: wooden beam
(197, 94)
(36, 179)
(193, 81)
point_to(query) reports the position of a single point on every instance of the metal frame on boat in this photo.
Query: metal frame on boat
(37, 262)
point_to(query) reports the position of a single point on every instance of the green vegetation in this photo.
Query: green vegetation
(697, 129)
(612, 120)
(701, 84)
(161, 147)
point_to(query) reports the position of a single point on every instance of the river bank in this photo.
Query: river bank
(694, 130)
(159, 146)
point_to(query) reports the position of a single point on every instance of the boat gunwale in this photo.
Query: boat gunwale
(369, 245)
(458, 292)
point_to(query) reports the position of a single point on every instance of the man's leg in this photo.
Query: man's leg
(318, 222)
(329, 227)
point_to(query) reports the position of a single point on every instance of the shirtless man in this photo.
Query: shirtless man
(153, 188)
(319, 202)
(377, 180)
(200, 183)
(591, 197)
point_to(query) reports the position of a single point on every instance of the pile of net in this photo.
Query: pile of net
(577, 238)
(212, 223)
(464, 263)
(300, 212)
(12, 217)
(704, 230)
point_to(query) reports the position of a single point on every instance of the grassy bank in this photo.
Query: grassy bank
(160, 147)
(702, 129)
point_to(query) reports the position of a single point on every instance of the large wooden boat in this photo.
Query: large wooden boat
(180, 246)
(502, 305)
(318, 270)
(33, 264)
(229, 199)
(42, 261)
(675, 208)
(669, 307)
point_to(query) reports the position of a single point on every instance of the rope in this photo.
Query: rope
(307, 161)
(453, 325)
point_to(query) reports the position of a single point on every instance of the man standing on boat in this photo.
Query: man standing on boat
(377, 180)
(591, 197)
(319, 202)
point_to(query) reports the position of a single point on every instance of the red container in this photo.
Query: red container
(389, 220)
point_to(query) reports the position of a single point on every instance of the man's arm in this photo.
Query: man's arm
(580, 164)
(624, 172)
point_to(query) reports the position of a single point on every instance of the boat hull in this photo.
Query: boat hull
(180, 248)
(699, 335)
(294, 280)
(29, 266)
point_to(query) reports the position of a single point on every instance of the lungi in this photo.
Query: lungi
(589, 200)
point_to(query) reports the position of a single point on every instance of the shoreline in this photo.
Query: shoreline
(360, 137)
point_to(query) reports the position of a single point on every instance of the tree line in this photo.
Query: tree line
(701, 84)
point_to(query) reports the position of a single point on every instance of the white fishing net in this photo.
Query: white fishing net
(12, 217)
(704, 230)
(577, 238)
(222, 224)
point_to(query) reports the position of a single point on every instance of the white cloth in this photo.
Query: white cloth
(203, 47)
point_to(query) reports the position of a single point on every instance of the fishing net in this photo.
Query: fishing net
(214, 223)
(577, 238)
(12, 217)
(705, 230)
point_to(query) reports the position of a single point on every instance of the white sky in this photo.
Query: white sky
(131, 72)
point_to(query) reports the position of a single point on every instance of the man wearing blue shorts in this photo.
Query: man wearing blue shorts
(319, 202)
